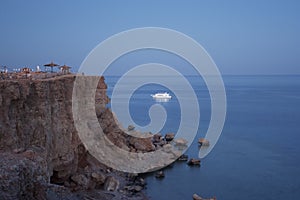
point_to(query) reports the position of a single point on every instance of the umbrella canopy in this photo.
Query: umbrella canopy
(51, 65)
(65, 69)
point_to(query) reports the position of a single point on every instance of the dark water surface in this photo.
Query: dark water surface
(258, 153)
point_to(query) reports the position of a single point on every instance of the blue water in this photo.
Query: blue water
(258, 153)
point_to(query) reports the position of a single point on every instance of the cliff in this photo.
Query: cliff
(41, 155)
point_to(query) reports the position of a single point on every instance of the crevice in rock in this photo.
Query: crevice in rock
(54, 179)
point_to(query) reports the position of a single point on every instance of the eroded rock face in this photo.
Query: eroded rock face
(39, 144)
(41, 147)
(22, 177)
(37, 113)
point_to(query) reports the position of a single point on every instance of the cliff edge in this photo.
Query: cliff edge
(41, 155)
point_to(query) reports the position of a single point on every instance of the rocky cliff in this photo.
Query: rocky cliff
(41, 154)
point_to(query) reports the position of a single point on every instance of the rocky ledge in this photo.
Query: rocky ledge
(41, 154)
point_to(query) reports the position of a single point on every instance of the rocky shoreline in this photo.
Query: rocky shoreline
(42, 156)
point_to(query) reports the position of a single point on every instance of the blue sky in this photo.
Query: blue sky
(243, 37)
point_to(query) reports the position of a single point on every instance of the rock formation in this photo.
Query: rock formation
(203, 142)
(41, 154)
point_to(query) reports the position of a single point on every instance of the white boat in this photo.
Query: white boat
(164, 95)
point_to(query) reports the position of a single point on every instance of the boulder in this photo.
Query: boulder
(193, 161)
(134, 188)
(142, 144)
(80, 180)
(157, 138)
(197, 197)
(203, 142)
(130, 128)
(98, 178)
(158, 141)
(169, 137)
(111, 184)
(181, 142)
(160, 174)
(183, 157)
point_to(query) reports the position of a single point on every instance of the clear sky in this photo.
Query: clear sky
(242, 36)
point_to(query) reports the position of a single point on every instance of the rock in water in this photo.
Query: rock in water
(183, 157)
(130, 128)
(197, 197)
(193, 161)
(169, 137)
(160, 174)
(203, 142)
(180, 143)
(157, 138)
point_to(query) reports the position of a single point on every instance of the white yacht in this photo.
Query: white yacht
(164, 95)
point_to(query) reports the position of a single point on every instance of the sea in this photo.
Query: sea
(258, 153)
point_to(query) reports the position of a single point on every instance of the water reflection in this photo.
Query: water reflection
(161, 99)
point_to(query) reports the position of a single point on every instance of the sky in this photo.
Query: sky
(242, 37)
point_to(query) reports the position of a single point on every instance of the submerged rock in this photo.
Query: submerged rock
(197, 197)
(180, 142)
(160, 174)
(193, 161)
(203, 142)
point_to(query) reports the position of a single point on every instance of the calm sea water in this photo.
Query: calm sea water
(258, 153)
